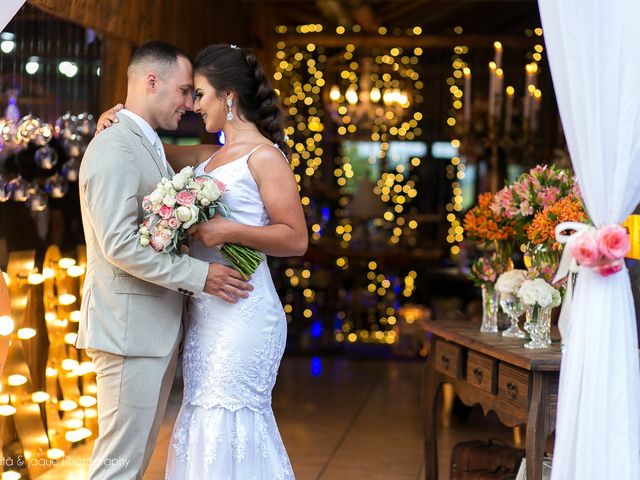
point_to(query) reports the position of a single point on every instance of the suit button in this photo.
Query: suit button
(181, 290)
(190, 293)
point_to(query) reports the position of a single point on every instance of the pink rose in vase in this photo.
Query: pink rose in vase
(185, 197)
(613, 241)
(584, 249)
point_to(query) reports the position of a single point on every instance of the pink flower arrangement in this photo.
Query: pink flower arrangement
(536, 189)
(602, 250)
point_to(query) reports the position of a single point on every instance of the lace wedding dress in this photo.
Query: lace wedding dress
(226, 429)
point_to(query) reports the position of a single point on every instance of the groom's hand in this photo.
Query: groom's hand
(226, 283)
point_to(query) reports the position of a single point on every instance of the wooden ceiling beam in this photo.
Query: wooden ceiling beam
(424, 41)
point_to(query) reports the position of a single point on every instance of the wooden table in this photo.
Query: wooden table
(520, 385)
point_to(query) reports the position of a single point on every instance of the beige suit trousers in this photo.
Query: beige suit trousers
(132, 398)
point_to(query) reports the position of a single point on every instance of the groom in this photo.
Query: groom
(133, 296)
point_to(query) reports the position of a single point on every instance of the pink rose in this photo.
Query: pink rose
(220, 185)
(147, 206)
(185, 197)
(610, 268)
(156, 244)
(613, 241)
(202, 180)
(584, 249)
(165, 212)
(174, 223)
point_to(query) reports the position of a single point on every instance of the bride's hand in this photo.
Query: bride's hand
(214, 232)
(108, 118)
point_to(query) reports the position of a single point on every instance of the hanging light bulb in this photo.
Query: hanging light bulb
(73, 145)
(64, 125)
(43, 135)
(56, 186)
(334, 94)
(38, 200)
(86, 125)
(32, 66)
(375, 94)
(19, 189)
(7, 42)
(46, 157)
(28, 127)
(9, 133)
(71, 169)
(351, 96)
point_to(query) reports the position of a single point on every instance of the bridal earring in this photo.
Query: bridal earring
(229, 113)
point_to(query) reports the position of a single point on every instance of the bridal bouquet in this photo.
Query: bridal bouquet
(182, 201)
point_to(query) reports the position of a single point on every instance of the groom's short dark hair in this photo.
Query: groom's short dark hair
(156, 52)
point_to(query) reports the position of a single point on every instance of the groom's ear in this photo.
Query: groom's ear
(151, 82)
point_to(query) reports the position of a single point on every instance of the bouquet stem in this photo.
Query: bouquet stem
(243, 259)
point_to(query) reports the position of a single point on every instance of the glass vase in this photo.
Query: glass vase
(538, 325)
(513, 307)
(489, 309)
(541, 260)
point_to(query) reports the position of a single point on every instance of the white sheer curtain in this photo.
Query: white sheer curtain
(8, 10)
(592, 47)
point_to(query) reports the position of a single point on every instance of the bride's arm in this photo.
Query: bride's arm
(286, 236)
(180, 156)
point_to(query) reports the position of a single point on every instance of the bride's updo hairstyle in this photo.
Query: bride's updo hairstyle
(231, 68)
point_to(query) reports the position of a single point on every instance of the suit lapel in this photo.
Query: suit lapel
(131, 125)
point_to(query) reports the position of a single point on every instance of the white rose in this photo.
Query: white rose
(183, 213)
(169, 200)
(188, 215)
(510, 282)
(179, 181)
(557, 298)
(204, 202)
(187, 172)
(193, 185)
(144, 231)
(210, 191)
(544, 298)
(527, 292)
(144, 241)
(155, 197)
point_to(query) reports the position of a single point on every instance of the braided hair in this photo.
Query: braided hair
(231, 68)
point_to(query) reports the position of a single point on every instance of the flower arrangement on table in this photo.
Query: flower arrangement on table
(532, 203)
(179, 203)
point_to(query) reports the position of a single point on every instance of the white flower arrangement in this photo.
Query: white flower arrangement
(539, 292)
(511, 281)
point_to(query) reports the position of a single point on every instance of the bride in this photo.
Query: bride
(232, 350)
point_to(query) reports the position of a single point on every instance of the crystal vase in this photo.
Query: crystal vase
(513, 307)
(489, 309)
(538, 325)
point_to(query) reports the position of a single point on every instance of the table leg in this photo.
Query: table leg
(537, 426)
(430, 390)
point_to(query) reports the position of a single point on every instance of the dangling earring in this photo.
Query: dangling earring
(229, 113)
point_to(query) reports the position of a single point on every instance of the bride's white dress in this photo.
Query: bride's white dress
(226, 429)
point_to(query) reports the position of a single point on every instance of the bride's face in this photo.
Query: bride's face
(210, 105)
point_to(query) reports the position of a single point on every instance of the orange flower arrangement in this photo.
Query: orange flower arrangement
(543, 227)
(482, 225)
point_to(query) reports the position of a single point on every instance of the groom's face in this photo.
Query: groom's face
(173, 96)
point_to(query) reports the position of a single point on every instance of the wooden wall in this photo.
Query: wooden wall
(189, 24)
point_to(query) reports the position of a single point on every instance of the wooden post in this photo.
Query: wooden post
(113, 77)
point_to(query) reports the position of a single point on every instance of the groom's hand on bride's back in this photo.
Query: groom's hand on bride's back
(226, 283)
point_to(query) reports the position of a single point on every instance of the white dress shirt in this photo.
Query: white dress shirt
(151, 134)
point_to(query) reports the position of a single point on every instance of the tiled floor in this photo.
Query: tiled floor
(342, 420)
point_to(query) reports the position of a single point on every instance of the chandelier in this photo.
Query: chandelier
(368, 94)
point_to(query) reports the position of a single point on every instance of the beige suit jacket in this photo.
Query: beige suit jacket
(133, 296)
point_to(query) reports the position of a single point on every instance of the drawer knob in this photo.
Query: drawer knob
(512, 390)
(478, 374)
(444, 360)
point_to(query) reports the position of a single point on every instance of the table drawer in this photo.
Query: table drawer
(448, 359)
(513, 385)
(482, 372)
